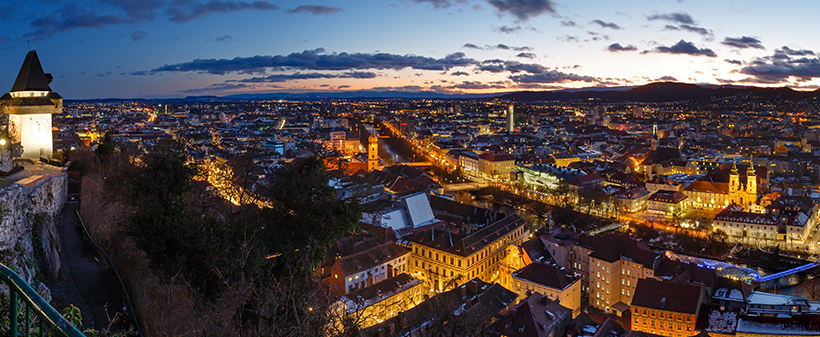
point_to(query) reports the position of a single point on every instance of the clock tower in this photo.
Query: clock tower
(30, 104)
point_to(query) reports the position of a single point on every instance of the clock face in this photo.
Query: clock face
(40, 127)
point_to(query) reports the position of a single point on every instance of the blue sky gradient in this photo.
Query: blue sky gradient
(174, 48)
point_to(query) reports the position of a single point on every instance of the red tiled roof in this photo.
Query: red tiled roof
(544, 274)
(708, 186)
(496, 157)
(652, 294)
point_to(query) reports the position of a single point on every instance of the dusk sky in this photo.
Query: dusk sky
(176, 48)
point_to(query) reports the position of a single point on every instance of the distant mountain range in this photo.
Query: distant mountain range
(651, 93)
(661, 92)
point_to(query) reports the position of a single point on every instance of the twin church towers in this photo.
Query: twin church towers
(29, 105)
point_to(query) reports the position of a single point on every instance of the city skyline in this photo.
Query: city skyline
(157, 48)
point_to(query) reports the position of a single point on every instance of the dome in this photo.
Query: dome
(373, 138)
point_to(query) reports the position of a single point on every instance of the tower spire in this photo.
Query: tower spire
(734, 165)
(751, 170)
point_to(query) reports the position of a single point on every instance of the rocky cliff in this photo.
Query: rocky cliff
(29, 209)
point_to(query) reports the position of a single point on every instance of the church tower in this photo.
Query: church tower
(30, 104)
(734, 179)
(372, 152)
(751, 182)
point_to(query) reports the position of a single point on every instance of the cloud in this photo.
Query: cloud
(677, 17)
(223, 87)
(670, 27)
(785, 50)
(107, 73)
(694, 29)
(182, 14)
(497, 66)
(476, 85)
(460, 73)
(71, 17)
(138, 10)
(139, 35)
(523, 9)
(683, 47)
(743, 42)
(498, 46)
(225, 38)
(737, 62)
(552, 76)
(508, 30)
(617, 47)
(306, 76)
(603, 24)
(140, 73)
(783, 64)
(568, 23)
(666, 79)
(568, 38)
(441, 3)
(316, 10)
(317, 60)
(526, 55)
(6, 10)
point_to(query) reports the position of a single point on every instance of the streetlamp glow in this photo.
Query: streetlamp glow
(2, 142)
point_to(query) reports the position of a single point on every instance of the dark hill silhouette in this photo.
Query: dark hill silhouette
(662, 92)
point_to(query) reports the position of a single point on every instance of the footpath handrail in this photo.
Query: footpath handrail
(117, 273)
(49, 317)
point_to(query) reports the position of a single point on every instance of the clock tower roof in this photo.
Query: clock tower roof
(31, 76)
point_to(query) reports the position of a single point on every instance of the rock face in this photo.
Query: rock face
(29, 211)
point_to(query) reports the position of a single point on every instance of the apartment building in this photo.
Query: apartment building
(445, 259)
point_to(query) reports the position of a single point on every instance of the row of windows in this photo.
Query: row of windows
(470, 260)
(664, 324)
(376, 271)
(660, 314)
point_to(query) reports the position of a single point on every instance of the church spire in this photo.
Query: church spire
(751, 170)
(734, 165)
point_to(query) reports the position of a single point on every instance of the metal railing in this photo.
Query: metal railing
(44, 319)
(114, 268)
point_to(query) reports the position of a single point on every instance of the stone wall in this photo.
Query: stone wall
(29, 211)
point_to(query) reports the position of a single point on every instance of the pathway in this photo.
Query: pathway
(91, 276)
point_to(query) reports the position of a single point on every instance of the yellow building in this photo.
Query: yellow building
(614, 271)
(550, 281)
(496, 165)
(717, 195)
(666, 309)
(446, 259)
(372, 152)
(381, 301)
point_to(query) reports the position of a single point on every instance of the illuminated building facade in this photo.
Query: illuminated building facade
(446, 259)
(30, 104)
